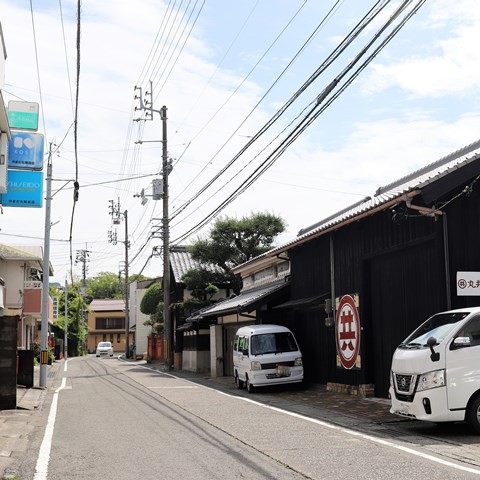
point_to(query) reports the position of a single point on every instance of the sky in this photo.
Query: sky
(225, 70)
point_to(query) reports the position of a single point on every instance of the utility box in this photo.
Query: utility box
(157, 189)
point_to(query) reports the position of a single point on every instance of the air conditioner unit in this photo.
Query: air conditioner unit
(3, 162)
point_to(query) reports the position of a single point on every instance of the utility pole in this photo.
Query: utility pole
(65, 328)
(82, 257)
(147, 105)
(166, 246)
(46, 279)
(112, 238)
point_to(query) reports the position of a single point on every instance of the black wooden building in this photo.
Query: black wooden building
(398, 253)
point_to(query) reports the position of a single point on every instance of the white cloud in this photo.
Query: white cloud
(382, 128)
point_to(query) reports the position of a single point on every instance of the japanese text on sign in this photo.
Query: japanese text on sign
(468, 284)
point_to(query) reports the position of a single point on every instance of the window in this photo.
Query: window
(472, 330)
(273, 343)
(242, 344)
(118, 338)
(109, 323)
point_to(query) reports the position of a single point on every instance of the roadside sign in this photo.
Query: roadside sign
(347, 332)
(23, 115)
(25, 151)
(24, 189)
(468, 284)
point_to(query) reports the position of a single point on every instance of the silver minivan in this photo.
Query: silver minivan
(266, 355)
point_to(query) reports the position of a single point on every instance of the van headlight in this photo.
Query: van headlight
(431, 380)
(298, 362)
(255, 366)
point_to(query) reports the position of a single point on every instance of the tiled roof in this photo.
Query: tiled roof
(384, 196)
(107, 305)
(181, 261)
(25, 253)
(16, 253)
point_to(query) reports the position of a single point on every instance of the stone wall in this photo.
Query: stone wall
(365, 390)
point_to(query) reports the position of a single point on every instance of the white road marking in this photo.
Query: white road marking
(41, 469)
(337, 428)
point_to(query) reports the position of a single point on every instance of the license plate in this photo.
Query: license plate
(283, 371)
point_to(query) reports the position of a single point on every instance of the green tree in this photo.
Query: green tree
(232, 242)
(235, 241)
(202, 285)
(104, 285)
(152, 304)
(77, 327)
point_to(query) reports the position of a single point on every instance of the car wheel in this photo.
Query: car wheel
(238, 382)
(250, 387)
(473, 414)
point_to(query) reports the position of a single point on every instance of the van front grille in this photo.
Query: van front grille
(270, 366)
(405, 384)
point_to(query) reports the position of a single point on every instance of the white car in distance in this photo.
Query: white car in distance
(104, 349)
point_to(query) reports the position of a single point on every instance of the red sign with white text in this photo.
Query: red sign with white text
(347, 331)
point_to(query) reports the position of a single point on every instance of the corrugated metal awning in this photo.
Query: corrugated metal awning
(245, 302)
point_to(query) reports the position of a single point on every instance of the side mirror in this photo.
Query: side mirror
(435, 356)
(245, 352)
(461, 342)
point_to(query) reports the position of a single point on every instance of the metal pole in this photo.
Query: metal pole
(127, 316)
(447, 261)
(46, 280)
(65, 329)
(166, 239)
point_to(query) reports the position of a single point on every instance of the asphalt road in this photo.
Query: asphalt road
(116, 420)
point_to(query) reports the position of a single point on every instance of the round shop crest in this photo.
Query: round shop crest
(347, 331)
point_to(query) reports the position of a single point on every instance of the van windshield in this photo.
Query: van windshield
(273, 343)
(438, 326)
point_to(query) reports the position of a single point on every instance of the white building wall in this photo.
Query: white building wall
(13, 274)
(137, 318)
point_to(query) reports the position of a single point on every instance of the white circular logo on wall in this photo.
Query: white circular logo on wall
(347, 331)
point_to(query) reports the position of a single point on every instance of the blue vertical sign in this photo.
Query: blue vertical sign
(24, 189)
(25, 151)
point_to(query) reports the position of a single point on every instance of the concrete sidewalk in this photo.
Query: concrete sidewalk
(16, 425)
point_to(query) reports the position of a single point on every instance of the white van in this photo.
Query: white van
(266, 355)
(435, 373)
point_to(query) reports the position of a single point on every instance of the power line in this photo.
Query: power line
(364, 22)
(314, 112)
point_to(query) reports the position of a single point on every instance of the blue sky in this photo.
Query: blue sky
(416, 102)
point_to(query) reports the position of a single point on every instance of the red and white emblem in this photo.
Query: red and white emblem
(347, 331)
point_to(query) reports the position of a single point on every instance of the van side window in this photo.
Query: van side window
(243, 344)
(472, 330)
